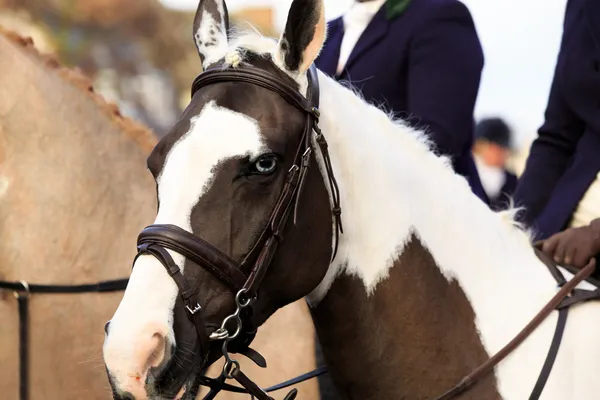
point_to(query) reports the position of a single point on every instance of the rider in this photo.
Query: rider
(491, 150)
(421, 60)
(560, 187)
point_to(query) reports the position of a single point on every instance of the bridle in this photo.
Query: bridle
(244, 278)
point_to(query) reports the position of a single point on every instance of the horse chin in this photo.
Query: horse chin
(190, 389)
(214, 355)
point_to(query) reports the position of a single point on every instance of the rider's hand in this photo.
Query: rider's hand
(574, 246)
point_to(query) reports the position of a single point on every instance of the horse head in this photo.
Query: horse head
(242, 220)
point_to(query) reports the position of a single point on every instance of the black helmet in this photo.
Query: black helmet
(494, 130)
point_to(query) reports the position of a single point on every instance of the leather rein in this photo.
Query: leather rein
(244, 278)
(566, 296)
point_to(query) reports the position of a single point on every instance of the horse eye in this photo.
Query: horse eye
(266, 164)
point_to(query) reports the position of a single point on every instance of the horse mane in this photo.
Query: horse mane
(139, 133)
(440, 208)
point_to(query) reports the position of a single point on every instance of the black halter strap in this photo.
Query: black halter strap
(23, 291)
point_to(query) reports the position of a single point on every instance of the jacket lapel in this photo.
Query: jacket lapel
(592, 11)
(374, 32)
(330, 54)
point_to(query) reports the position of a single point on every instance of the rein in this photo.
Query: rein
(561, 301)
(566, 297)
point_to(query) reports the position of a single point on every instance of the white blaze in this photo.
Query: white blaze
(215, 135)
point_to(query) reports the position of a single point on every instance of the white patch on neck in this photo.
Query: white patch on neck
(392, 185)
(215, 135)
(376, 160)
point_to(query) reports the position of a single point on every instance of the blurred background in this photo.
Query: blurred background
(140, 55)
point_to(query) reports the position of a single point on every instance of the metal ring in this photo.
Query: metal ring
(26, 289)
(238, 328)
(229, 367)
(238, 299)
(25, 286)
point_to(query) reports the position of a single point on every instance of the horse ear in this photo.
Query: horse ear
(211, 25)
(303, 36)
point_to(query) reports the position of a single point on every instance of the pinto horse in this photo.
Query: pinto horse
(423, 284)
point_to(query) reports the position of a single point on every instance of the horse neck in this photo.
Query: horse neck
(394, 188)
(400, 341)
(393, 185)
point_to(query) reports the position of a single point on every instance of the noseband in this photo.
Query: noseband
(244, 278)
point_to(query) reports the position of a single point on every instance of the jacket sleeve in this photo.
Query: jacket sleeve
(550, 152)
(444, 71)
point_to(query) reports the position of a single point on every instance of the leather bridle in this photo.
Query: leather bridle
(244, 278)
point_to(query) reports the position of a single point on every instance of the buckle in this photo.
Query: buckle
(194, 310)
(306, 158)
(315, 112)
(20, 293)
(292, 173)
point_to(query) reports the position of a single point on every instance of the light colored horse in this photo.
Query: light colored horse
(74, 192)
(428, 282)
(67, 162)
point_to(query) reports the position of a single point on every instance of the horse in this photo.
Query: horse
(413, 282)
(67, 160)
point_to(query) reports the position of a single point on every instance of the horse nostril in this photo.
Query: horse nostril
(106, 327)
(158, 355)
(151, 351)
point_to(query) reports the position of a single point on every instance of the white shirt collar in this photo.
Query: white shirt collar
(362, 13)
(356, 19)
(492, 178)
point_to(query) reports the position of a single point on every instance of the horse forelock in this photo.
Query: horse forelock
(248, 45)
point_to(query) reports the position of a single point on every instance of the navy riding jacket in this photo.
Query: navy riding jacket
(424, 66)
(565, 157)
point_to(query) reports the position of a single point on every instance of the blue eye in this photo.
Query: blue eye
(266, 164)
